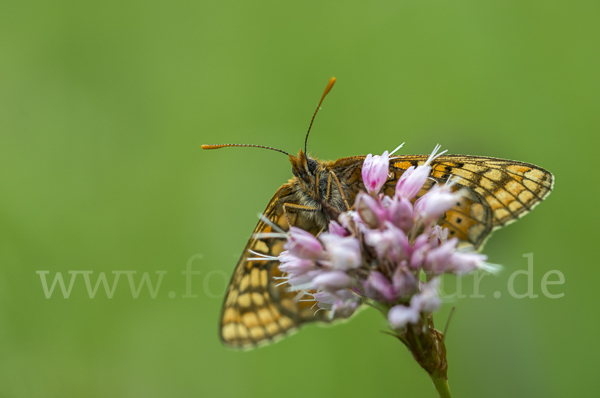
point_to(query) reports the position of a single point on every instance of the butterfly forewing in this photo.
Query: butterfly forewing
(259, 309)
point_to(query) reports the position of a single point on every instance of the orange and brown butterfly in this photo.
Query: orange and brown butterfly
(259, 309)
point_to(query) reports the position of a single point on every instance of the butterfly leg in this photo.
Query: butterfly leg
(290, 206)
(337, 181)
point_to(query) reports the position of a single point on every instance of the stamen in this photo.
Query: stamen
(434, 155)
(270, 223)
(399, 146)
(268, 235)
(259, 253)
(449, 182)
(261, 259)
(299, 295)
(491, 268)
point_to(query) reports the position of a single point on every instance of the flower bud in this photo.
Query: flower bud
(344, 308)
(332, 281)
(370, 210)
(296, 266)
(378, 286)
(400, 213)
(337, 229)
(401, 315)
(375, 171)
(434, 204)
(438, 259)
(390, 244)
(411, 181)
(461, 263)
(343, 253)
(404, 282)
(428, 300)
(420, 248)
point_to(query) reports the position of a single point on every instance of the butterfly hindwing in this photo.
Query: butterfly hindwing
(496, 192)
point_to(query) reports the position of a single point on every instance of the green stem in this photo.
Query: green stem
(441, 385)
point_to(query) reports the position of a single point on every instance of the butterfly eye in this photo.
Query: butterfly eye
(312, 165)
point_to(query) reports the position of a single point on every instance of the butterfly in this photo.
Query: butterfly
(259, 310)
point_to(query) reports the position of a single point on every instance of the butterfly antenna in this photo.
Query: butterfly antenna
(241, 145)
(327, 90)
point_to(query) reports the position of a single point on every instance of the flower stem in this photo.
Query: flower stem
(441, 386)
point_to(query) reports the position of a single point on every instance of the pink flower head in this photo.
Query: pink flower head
(375, 171)
(303, 244)
(377, 252)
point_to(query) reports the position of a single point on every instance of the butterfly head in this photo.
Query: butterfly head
(304, 167)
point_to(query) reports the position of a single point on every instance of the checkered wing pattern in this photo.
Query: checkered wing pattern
(258, 308)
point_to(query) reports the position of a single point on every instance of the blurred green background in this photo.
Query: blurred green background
(104, 106)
